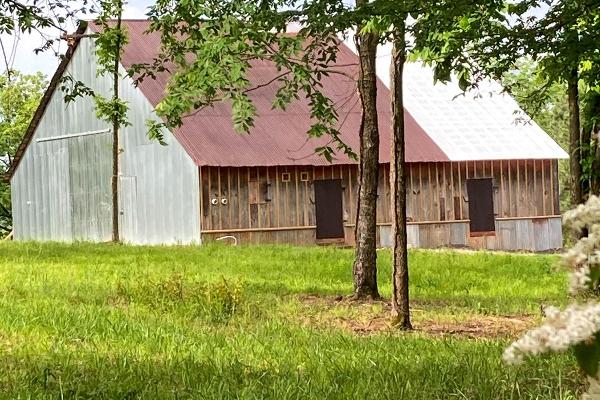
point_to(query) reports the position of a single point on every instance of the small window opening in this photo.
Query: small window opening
(285, 177)
(304, 176)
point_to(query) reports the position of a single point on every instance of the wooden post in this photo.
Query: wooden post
(296, 177)
(219, 197)
(502, 191)
(492, 177)
(510, 191)
(258, 202)
(249, 206)
(210, 224)
(535, 190)
(544, 191)
(386, 196)
(269, 203)
(412, 190)
(201, 198)
(277, 202)
(421, 195)
(239, 198)
(460, 191)
(437, 195)
(526, 194)
(229, 197)
(431, 193)
(518, 188)
(552, 185)
(454, 216)
(286, 208)
(350, 190)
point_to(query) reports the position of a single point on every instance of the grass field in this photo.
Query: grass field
(101, 321)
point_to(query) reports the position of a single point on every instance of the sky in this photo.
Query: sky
(26, 61)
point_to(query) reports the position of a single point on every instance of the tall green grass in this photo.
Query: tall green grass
(114, 322)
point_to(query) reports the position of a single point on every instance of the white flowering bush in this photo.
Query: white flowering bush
(577, 327)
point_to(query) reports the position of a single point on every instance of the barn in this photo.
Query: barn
(477, 177)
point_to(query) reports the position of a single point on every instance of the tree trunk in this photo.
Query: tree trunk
(365, 263)
(589, 138)
(115, 146)
(595, 183)
(585, 154)
(400, 300)
(574, 138)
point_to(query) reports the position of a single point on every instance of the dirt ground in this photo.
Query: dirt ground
(371, 317)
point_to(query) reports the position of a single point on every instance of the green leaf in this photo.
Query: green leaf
(588, 355)
(464, 23)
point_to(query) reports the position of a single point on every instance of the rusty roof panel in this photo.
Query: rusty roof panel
(279, 137)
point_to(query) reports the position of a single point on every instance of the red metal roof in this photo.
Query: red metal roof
(278, 137)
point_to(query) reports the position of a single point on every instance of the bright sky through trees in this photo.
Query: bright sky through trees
(26, 61)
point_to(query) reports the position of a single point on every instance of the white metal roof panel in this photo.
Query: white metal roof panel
(485, 124)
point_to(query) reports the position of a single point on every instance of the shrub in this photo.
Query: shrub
(218, 301)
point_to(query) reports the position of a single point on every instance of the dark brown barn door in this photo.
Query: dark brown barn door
(481, 205)
(328, 209)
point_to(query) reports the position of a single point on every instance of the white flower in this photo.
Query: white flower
(580, 279)
(583, 214)
(561, 330)
(585, 254)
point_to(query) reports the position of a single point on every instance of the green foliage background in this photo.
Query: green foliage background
(546, 103)
(19, 97)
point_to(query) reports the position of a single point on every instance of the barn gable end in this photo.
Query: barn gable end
(61, 187)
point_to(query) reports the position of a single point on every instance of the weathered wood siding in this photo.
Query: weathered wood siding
(267, 204)
(522, 188)
(276, 204)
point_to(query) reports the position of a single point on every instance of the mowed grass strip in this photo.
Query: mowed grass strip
(104, 321)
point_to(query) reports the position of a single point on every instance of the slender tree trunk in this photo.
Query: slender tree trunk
(365, 263)
(574, 138)
(590, 114)
(400, 300)
(115, 147)
(585, 154)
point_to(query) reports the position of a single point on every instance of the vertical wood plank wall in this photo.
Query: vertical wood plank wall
(276, 204)
(437, 192)
(268, 204)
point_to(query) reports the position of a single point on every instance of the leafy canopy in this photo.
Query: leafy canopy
(211, 45)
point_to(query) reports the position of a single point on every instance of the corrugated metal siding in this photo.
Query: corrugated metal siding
(166, 187)
(536, 234)
(61, 190)
(48, 201)
(90, 172)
